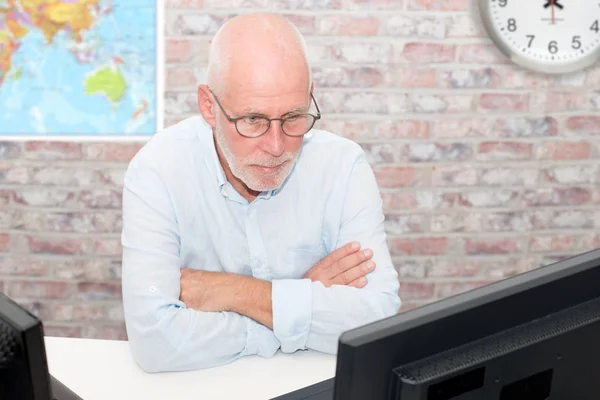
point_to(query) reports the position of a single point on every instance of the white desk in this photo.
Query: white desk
(105, 369)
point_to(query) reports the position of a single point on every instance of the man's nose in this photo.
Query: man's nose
(273, 141)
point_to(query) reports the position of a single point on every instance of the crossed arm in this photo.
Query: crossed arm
(179, 319)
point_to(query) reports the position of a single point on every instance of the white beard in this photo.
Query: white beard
(240, 166)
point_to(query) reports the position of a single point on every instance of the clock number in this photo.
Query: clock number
(502, 3)
(595, 27)
(512, 25)
(552, 47)
(531, 37)
(576, 42)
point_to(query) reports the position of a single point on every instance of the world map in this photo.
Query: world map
(78, 67)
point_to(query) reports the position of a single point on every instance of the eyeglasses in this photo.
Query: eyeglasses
(253, 126)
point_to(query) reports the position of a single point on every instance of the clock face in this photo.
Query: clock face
(545, 35)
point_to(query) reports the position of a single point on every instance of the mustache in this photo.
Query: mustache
(272, 162)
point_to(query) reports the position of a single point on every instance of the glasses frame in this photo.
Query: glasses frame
(269, 120)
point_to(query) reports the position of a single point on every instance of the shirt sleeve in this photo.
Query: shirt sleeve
(165, 335)
(306, 314)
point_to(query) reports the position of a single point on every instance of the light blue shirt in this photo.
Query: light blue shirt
(179, 211)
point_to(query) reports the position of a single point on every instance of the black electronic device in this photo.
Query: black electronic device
(23, 365)
(533, 336)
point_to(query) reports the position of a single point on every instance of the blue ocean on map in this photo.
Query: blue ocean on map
(48, 94)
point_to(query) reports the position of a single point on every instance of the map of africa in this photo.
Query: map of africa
(78, 67)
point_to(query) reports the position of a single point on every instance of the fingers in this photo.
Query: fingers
(354, 275)
(340, 253)
(350, 261)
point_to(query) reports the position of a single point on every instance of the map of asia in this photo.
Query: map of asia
(78, 67)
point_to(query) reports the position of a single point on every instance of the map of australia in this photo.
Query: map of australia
(78, 67)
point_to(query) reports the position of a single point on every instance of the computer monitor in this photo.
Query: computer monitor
(23, 365)
(533, 336)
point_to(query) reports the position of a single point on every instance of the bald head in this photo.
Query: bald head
(254, 50)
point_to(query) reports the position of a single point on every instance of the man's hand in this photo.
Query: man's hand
(344, 266)
(204, 290)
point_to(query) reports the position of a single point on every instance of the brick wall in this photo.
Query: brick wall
(486, 170)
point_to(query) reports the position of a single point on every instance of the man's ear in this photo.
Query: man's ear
(205, 105)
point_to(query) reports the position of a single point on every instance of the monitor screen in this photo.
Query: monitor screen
(533, 336)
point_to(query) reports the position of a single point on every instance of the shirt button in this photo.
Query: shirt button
(152, 289)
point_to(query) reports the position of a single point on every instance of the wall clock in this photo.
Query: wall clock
(548, 36)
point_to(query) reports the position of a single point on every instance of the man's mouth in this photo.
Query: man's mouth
(269, 170)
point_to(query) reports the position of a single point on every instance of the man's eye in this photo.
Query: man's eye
(252, 120)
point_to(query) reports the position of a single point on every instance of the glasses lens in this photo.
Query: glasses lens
(252, 126)
(298, 125)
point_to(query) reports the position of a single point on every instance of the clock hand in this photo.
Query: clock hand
(556, 3)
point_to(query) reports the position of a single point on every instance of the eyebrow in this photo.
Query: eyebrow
(253, 111)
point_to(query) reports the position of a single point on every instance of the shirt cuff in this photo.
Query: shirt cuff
(260, 340)
(292, 312)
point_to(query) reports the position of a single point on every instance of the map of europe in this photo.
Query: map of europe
(78, 67)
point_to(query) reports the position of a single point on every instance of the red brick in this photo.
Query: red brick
(572, 219)
(357, 52)
(52, 150)
(181, 78)
(13, 174)
(57, 330)
(108, 247)
(504, 102)
(441, 5)
(179, 50)
(525, 127)
(557, 101)
(34, 289)
(454, 268)
(457, 221)
(447, 289)
(99, 290)
(9, 150)
(123, 152)
(398, 200)
(12, 265)
(516, 221)
(429, 246)
(406, 223)
(564, 150)
(304, 23)
(463, 127)
(376, 4)
(183, 4)
(4, 242)
(402, 129)
(494, 151)
(73, 312)
(590, 241)
(481, 54)
(101, 199)
(107, 332)
(552, 243)
(55, 245)
(345, 76)
(397, 176)
(468, 78)
(557, 196)
(509, 176)
(63, 176)
(464, 26)
(491, 246)
(455, 175)
(416, 290)
(422, 53)
(87, 269)
(583, 125)
(434, 152)
(6, 196)
(442, 103)
(344, 25)
(414, 78)
(382, 153)
(570, 174)
(409, 25)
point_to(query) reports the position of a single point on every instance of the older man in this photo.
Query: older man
(246, 230)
